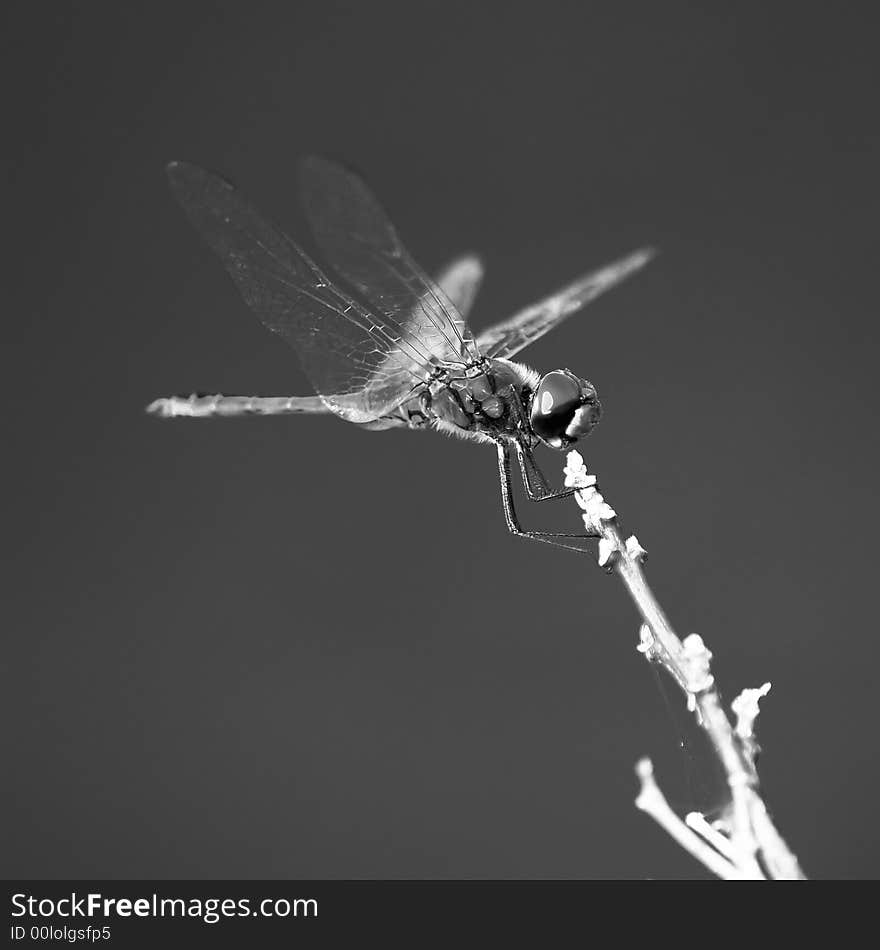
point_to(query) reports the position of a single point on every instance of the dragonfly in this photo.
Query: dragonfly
(382, 343)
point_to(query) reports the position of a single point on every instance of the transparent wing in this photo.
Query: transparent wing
(460, 281)
(509, 337)
(356, 237)
(361, 365)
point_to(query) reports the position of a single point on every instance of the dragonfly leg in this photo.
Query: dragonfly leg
(513, 525)
(534, 480)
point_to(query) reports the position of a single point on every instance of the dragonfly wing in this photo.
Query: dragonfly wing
(361, 365)
(358, 239)
(460, 281)
(506, 339)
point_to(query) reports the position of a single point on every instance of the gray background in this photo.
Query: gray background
(272, 648)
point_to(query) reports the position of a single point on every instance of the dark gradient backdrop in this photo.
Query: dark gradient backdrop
(268, 648)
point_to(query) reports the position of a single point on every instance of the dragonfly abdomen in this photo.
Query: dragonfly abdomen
(200, 406)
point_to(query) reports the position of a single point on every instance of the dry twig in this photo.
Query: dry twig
(747, 845)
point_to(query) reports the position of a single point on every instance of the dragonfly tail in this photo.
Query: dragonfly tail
(203, 407)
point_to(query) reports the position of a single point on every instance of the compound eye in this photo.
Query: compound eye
(556, 400)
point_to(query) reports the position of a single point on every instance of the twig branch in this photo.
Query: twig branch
(652, 800)
(751, 848)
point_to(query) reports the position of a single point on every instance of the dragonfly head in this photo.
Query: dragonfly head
(563, 409)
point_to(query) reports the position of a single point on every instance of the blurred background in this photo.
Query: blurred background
(289, 648)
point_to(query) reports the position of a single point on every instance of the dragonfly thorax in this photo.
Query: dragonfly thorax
(499, 399)
(471, 401)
